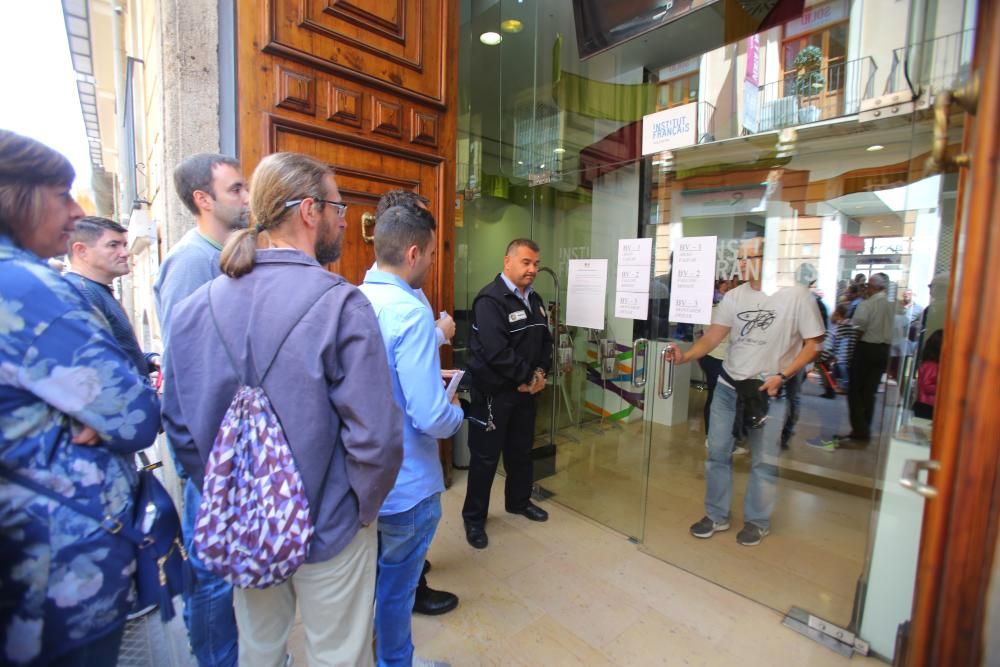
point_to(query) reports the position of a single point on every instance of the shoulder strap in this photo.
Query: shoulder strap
(108, 523)
(232, 361)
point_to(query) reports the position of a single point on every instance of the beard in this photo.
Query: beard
(327, 251)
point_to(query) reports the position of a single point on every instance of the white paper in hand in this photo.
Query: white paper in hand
(453, 384)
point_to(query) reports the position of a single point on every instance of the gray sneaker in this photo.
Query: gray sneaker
(424, 662)
(751, 535)
(706, 528)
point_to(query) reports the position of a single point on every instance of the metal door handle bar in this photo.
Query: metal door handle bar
(639, 380)
(669, 373)
(911, 472)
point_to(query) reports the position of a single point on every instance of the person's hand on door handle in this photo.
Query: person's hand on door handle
(676, 355)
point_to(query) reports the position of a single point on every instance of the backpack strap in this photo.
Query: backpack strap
(109, 523)
(232, 361)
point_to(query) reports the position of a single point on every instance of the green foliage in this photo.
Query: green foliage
(809, 79)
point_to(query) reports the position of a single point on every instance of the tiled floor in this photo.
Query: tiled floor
(816, 552)
(571, 592)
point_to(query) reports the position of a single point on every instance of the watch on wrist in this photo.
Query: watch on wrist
(784, 378)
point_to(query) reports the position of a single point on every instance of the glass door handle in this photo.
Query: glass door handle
(666, 373)
(911, 476)
(639, 379)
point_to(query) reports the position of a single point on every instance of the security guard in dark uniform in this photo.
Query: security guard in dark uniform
(511, 350)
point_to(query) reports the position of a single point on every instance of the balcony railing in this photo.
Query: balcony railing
(838, 91)
(936, 64)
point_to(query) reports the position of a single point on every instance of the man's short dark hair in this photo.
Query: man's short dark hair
(522, 243)
(398, 228)
(405, 198)
(91, 228)
(195, 173)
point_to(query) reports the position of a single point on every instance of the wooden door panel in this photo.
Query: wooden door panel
(393, 44)
(367, 86)
(365, 171)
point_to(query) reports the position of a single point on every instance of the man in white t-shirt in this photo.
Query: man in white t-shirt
(771, 338)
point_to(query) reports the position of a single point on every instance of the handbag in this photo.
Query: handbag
(154, 531)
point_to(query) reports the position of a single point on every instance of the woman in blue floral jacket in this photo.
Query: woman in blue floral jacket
(73, 410)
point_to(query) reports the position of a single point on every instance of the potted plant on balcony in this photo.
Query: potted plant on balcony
(809, 81)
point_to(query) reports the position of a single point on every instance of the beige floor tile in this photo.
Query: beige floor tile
(548, 642)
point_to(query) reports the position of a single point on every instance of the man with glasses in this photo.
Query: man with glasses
(771, 338)
(213, 189)
(330, 387)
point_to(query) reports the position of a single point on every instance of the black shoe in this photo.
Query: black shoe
(427, 568)
(829, 394)
(531, 511)
(476, 536)
(433, 603)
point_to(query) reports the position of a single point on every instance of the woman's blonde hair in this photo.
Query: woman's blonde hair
(280, 178)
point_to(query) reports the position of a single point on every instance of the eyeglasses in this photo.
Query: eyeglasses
(339, 205)
(751, 256)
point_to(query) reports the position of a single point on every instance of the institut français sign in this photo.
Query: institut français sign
(670, 129)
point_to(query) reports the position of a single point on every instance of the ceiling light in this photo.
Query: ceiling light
(874, 147)
(490, 38)
(511, 25)
(559, 150)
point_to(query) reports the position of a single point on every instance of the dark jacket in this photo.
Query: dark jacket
(329, 385)
(508, 341)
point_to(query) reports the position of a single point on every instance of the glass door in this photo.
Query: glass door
(601, 450)
(851, 214)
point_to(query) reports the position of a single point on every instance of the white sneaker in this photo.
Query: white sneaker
(739, 449)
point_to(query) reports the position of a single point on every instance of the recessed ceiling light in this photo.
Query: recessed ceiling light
(559, 150)
(511, 25)
(490, 38)
(874, 147)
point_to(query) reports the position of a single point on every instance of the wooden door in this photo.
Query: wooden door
(961, 525)
(368, 86)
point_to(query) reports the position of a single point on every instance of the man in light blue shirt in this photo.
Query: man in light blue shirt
(405, 247)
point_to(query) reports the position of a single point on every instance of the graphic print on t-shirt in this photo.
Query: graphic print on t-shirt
(766, 331)
(755, 319)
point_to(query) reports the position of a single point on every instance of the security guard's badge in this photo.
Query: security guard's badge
(517, 316)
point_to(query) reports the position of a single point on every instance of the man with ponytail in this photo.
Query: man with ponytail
(276, 307)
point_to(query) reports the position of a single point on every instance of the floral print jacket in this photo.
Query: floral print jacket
(64, 581)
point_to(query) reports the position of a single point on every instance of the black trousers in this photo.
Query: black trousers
(514, 417)
(867, 365)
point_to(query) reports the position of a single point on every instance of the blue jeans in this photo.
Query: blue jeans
(762, 487)
(208, 599)
(403, 540)
(100, 653)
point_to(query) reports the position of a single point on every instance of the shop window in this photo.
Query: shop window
(675, 92)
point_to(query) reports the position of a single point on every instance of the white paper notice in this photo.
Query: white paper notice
(635, 252)
(632, 283)
(692, 280)
(585, 293)
(633, 279)
(632, 305)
